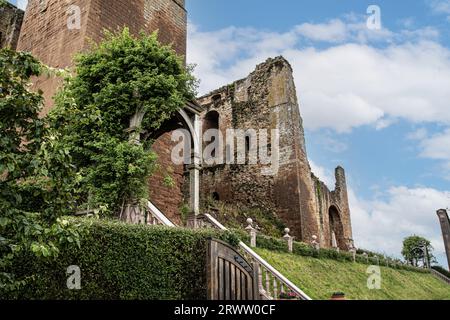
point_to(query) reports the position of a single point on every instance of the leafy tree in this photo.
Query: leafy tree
(414, 250)
(120, 79)
(35, 172)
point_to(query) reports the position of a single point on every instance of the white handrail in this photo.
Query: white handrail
(261, 261)
(159, 215)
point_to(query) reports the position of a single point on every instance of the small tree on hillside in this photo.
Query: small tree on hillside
(123, 88)
(415, 249)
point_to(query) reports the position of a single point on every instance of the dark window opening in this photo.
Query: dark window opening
(216, 99)
(247, 145)
(211, 122)
(215, 196)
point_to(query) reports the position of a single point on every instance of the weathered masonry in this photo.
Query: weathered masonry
(50, 33)
(10, 23)
(445, 225)
(266, 99)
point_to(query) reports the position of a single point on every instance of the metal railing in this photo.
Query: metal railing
(272, 284)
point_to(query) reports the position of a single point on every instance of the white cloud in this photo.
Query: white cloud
(440, 6)
(323, 174)
(345, 85)
(333, 31)
(419, 134)
(382, 225)
(437, 147)
(21, 4)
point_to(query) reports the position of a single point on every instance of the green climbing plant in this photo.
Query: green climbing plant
(117, 79)
(35, 172)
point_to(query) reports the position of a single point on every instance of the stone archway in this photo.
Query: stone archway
(175, 185)
(336, 229)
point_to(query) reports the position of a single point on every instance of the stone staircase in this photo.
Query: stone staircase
(272, 284)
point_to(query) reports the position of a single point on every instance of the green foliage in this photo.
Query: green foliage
(414, 250)
(235, 216)
(320, 278)
(442, 270)
(122, 261)
(35, 171)
(305, 250)
(119, 78)
(185, 211)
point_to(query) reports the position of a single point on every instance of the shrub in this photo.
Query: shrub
(125, 262)
(442, 271)
(305, 250)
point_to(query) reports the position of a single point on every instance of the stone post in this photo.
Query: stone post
(289, 240)
(445, 226)
(132, 212)
(314, 243)
(353, 251)
(252, 233)
(366, 256)
(194, 176)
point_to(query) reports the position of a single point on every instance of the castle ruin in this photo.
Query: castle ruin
(266, 99)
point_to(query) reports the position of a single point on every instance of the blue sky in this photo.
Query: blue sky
(375, 101)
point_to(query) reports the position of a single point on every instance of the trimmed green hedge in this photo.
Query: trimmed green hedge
(304, 250)
(125, 262)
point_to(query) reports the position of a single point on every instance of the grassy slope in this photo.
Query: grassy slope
(319, 278)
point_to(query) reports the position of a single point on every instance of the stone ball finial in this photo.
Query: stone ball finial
(287, 231)
(314, 237)
(250, 221)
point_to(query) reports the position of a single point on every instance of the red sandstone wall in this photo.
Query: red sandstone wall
(10, 23)
(168, 199)
(266, 100)
(46, 35)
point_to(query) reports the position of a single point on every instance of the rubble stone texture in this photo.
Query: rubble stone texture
(10, 23)
(266, 99)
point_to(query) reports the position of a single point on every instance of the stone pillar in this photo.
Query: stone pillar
(289, 239)
(314, 243)
(252, 233)
(445, 225)
(342, 196)
(194, 174)
(133, 212)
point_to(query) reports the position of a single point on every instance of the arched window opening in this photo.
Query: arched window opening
(211, 122)
(336, 235)
(247, 145)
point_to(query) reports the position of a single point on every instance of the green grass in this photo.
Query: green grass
(320, 278)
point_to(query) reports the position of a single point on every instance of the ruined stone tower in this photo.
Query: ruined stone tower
(10, 23)
(267, 99)
(52, 33)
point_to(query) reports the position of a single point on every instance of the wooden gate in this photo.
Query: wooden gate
(229, 275)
